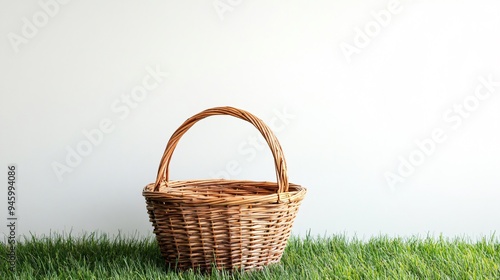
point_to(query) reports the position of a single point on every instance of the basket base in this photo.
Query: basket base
(228, 238)
(243, 236)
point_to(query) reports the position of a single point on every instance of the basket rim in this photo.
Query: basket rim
(167, 193)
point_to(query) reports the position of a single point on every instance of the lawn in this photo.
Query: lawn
(98, 256)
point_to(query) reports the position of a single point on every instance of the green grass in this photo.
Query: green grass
(98, 256)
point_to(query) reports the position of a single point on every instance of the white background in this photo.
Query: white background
(351, 117)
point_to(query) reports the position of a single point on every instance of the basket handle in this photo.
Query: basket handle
(272, 141)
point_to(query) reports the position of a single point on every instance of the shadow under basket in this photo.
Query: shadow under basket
(222, 224)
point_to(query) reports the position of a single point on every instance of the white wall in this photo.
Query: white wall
(355, 103)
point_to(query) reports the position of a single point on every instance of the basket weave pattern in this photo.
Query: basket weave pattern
(230, 224)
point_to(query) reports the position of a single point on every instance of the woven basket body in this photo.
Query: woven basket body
(222, 224)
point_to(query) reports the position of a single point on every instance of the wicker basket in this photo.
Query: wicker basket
(222, 224)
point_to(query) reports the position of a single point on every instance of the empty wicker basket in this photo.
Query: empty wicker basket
(222, 224)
